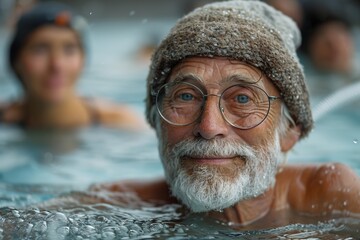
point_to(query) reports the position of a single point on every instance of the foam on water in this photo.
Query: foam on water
(103, 221)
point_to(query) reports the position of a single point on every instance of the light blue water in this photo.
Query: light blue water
(38, 167)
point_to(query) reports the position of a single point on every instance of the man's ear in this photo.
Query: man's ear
(288, 140)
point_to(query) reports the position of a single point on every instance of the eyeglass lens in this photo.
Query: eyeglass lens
(243, 106)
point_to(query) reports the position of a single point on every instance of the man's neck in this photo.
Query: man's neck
(247, 211)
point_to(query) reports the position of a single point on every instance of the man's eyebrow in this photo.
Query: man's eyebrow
(189, 76)
(241, 78)
(235, 78)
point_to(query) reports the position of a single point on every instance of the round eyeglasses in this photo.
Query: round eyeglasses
(243, 106)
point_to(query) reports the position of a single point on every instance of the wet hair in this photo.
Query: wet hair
(47, 13)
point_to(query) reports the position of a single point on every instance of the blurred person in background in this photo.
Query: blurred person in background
(326, 29)
(47, 55)
(328, 51)
(291, 8)
(328, 40)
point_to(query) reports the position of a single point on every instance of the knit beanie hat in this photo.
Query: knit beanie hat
(248, 31)
(47, 13)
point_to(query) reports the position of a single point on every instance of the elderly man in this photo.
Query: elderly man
(228, 100)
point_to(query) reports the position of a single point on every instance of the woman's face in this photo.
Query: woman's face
(50, 63)
(331, 48)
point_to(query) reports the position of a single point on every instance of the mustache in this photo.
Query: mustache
(202, 148)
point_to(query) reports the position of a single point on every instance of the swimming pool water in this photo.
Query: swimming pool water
(46, 167)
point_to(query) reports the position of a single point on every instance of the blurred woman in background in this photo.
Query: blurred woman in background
(326, 28)
(330, 47)
(47, 55)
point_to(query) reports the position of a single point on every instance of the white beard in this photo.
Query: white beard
(208, 188)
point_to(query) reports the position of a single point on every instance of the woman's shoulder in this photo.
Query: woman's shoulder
(114, 114)
(11, 112)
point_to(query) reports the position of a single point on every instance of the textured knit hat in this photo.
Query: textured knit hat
(47, 13)
(249, 31)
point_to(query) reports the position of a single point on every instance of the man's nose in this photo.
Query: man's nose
(211, 123)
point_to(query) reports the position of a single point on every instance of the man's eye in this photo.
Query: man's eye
(242, 99)
(186, 97)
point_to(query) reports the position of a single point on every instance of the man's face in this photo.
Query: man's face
(210, 164)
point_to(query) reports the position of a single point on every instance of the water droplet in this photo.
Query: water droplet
(89, 230)
(231, 223)
(144, 21)
(108, 235)
(63, 230)
(133, 233)
(29, 228)
(131, 13)
(57, 217)
(40, 227)
(180, 230)
(90, 13)
(356, 141)
(345, 203)
(156, 227)
(16, 213)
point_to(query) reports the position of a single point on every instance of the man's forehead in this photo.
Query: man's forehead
(225, 70)
(216, 64)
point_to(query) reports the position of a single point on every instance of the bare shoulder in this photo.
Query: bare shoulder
(147, 190)
(334, 187)
(116, 115)
(290, 187)
(324, 188)
(11, 112)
